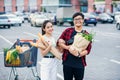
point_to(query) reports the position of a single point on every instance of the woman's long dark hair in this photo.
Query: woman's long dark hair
(44, 25)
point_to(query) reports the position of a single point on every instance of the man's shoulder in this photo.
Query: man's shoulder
(85, 31)
(69, 29)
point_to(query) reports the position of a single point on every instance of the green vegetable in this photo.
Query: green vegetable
(13, 55)
(5, 50)
(87, 36)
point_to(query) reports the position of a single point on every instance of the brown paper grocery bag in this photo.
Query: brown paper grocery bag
(80, 43)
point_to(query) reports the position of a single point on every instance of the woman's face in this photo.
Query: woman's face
(78, 21)
(48, 28)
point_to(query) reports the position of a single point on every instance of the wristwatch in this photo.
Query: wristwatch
(78, 54)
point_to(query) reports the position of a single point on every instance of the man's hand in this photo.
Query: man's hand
(73, 51)
(61, 41)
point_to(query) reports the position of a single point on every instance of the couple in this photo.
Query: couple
(73, 65)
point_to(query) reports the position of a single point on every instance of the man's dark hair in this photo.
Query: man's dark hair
(78, 14)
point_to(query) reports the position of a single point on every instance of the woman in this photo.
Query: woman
(49, 62)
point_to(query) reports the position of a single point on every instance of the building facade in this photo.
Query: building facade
(51, 5)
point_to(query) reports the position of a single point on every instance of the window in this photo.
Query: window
(33, 5)
(99, 0)
(20, 5)
(83, 5)
(65, 1)
(8, 5)
(83, 9)
(50, 5)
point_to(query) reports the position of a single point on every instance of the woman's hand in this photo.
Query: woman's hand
(33, 44)
(48, 44)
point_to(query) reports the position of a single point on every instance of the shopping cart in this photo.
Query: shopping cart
(26, 59)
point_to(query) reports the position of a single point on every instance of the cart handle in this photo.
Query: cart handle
(22, 40)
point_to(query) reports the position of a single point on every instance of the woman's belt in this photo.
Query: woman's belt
(49, 56)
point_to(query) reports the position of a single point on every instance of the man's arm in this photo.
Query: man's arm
(87, 51)
(61, 43)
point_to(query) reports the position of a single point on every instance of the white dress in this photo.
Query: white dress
(49, 65)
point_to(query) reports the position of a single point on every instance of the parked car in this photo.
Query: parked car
(117, 17)
(25, 15)
(118, 22)
(111, 15)
(52, 17)
(90, 19)
(105, 18)
(31, 16)
(4, 21)
(20, 15)
(38, 20)
(116, 13)
(14, 19)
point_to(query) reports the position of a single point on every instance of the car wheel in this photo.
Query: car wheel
(61, 23)
(118, 26)
(8, 26)
(19, 24)
(31, 24)
(55, 23)
(71, 23)
(111, 22)
(35, 24)
(4, 26)
(86, 24)
(22, 21)
(95, 24)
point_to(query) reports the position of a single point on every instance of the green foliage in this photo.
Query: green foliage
(13, 55)
(5, 50)
(89, 36)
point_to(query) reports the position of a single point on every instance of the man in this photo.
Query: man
(73, 61)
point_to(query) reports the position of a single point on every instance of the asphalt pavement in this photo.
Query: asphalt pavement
(103, 62)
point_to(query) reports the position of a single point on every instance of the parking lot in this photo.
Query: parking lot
(103, 61)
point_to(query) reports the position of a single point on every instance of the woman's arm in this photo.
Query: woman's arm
(46, 50)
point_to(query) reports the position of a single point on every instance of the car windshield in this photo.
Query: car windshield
(3, 17)
(89, 15)
(12, 16)
(105, 15)
(41, 17)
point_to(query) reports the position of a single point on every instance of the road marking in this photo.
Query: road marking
(108, 34)
(6, 40)
(115, 61)
(30, 34)
(58, 75)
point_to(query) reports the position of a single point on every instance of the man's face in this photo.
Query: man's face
(78, 21)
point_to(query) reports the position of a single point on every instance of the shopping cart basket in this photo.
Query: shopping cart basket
(27, 59)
